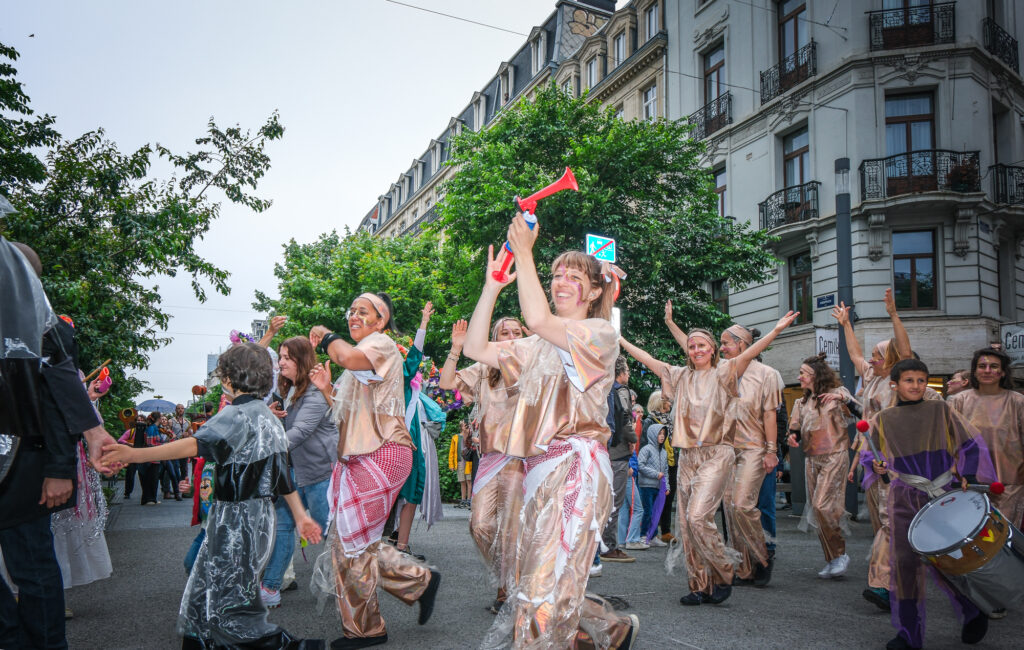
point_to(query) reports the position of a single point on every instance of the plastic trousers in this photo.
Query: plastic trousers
(494, 519)
(568, 500)
(704, 474)
(877, 497)
(907, 588)
(357, 579)
(743, 519)
(826, 478)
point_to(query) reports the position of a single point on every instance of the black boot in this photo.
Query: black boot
(426, 601)
(974, 630)
(350, 643)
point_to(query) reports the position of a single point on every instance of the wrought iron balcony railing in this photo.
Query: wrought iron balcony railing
(414, 228)
(1007, 184)
(713, 116)
(999, 42)
(912, 26)
(790, 205)
(795, 68)
(927, 170)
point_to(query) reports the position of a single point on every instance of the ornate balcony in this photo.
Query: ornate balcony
(795, 68)
(1007, 184)
(790, 205)
(713, 116)
(927, 170)
(414, 228)
(999, 42)
(912, 26)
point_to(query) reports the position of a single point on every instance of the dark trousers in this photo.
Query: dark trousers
(169, 476)
(648, 495)
(148, 473)
(129, 478)
(36, 619)
(766, 504)
(666, 515)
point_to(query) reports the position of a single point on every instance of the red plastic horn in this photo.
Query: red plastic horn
(527, 206)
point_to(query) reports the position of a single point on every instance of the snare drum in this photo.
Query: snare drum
(973, 546)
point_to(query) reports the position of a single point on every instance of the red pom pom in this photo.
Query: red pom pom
(997, 488)
(863, 426)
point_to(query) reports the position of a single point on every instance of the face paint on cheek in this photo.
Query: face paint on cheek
(579, 293)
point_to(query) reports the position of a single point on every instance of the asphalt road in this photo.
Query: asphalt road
(137, 607)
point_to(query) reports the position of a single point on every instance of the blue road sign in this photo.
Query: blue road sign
(603, 248)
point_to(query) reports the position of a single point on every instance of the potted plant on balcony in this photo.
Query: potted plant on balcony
(963, 177)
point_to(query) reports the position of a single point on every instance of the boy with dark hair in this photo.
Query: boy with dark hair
(221, 606)
(927, 448)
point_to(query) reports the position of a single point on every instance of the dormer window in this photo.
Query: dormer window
(506, 76)
(592, 72)
(479, 111)
(567, 87)
(651, 21)
(619, 48)
(538, 50)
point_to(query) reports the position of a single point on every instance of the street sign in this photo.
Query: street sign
(1012, 337)
(603, 248)
(827, 301)
(827, 341)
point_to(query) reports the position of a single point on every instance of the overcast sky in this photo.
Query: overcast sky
(362, 87)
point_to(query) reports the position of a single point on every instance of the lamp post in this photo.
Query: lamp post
(844, 273)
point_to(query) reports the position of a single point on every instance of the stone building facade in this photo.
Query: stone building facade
(926, 100)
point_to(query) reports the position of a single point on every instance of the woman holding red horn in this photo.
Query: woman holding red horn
(564, 372)
(375, 458)
(702, 393)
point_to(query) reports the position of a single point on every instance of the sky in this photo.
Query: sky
(361, 87)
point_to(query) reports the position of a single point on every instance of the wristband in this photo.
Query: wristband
(326, 341)
(453, 357)
(772, 447)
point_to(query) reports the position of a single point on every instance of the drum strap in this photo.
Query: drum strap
(934, 487)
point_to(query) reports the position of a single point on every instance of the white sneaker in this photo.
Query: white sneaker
(839, 566)
(271, 597)
(595, 570)
(636, 546)
(826, 571)
(656, 541)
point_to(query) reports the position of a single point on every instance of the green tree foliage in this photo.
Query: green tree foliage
(318, 282)
(105, 229)
(641, 182)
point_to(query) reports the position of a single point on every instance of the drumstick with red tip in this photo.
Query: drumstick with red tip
(994, 487)
(864, 427)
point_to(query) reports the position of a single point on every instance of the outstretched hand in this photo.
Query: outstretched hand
(317, 334)
(890, 302)
(521, 237)
(841, 313)
(493, 267)
(277, 322)
(320, 375)
(428, 311)
(668, 311)
(459, 334)
(786, 320)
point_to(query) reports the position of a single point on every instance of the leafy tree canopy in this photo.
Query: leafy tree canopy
(104, 228)
(641, 182)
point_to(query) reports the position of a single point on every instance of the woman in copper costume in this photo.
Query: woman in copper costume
(564, 372)
(702, 393)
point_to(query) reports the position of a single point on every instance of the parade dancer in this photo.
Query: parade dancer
(701, 396)
(498, 489)
(876, 394)
(564, 372)
(375, 458)
(222, 605)
(818, 424)
(755, 439)
(928, 449)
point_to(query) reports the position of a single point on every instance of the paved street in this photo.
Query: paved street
(137, 606)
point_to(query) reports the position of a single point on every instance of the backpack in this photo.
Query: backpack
(621, 416)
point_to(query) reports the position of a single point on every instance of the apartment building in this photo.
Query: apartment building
(926, 101)
(585, 47)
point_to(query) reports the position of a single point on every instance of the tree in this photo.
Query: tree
(318, 282)
(641, 182)
(104, 229)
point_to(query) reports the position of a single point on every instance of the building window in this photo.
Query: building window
(909, 123)
(792, 28)
(620, 112)
(567, 87)
(714, 73)
(538, 47)
(650, 102)
(720, 190)
(913, 269)
(592, 72)
(800, 286)
(796, 152)
(720, 295)
(619, 48)
(651, 21)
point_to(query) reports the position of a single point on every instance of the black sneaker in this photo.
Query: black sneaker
(292, 586)
(692, 598)
(899, 643)
(426, 601)
(974, 630)
(719, 594)
(742, 582)
(878, 597)
(997, 614)
(763, 573)
(349, 643)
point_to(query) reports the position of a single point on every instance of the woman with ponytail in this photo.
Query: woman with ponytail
(558, 426)
(702, 393)
(818, 425)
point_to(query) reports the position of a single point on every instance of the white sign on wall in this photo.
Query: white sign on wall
(1012, 337)
(827, 341)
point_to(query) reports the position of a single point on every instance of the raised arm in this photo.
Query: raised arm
(276, 323)
(421, 333)
(842, 315)
(451, 362)
(677, 332)
(532, 300)
(320, 376)
(899, 332)
(339, 350)
(743, 360)
(478, 347)
(659, 368)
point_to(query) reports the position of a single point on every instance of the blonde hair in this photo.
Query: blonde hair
(600, 307)
(656, 403)
(703, 333)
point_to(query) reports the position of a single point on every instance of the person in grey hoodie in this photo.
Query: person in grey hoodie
(653, 463)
